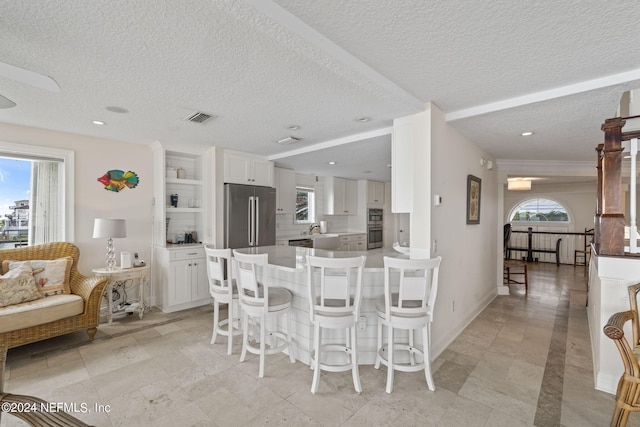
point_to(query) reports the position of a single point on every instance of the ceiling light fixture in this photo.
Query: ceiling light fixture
(332, 163)
(118, 110)
(526, 133)
(289, 140)
(293, 127)
(362, 119)
(518, 184)
(98, 122)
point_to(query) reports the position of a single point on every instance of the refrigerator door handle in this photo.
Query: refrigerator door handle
(251, 221)
(257, 220)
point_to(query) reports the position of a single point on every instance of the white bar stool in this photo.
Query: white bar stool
(334, 303)
(262, 302)
(408, 307)
(223, 291)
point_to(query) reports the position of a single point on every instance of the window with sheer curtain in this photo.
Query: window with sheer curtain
(50, 191)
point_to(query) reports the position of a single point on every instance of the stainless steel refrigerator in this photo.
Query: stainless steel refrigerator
(249, 216)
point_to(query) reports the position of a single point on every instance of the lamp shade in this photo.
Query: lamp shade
(518, 184)
(109, 228)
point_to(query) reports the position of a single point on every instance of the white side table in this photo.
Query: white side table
(119, 275)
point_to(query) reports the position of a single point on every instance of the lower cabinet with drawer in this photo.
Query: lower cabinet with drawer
(353, 242)
(180, 278)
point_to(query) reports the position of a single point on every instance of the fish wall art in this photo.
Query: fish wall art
(117, 180)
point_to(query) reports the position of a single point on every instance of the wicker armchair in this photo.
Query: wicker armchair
(89, 288)
(628, 393)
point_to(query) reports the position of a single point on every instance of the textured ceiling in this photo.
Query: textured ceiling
(555, 67)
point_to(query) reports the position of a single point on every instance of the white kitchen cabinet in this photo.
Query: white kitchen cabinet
(375, 192)
(241, 169)
(353, 242)
(341, 196)
(181, 280)
(285, 180)
(402, 139)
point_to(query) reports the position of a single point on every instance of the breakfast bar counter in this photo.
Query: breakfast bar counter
(293, 258)
(287, 269)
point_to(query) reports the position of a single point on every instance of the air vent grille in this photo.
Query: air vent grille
(199, 117)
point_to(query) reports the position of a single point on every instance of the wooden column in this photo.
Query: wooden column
(612, 217)
(596, 220)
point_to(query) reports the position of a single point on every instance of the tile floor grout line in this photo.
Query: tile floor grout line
(549, 406)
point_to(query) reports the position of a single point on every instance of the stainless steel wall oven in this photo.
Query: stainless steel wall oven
(374, 228)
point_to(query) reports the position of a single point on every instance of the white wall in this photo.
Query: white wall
(468, 271)
(93, 158)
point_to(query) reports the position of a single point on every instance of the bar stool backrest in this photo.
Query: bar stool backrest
(335, 285)
(417, 286)
(248, 269)
(219, 270)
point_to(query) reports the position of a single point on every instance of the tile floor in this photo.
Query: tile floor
(525, 360)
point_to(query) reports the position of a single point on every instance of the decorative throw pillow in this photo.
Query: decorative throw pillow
(18, 286)
(52, 276)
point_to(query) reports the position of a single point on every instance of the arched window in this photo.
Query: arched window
(539, 210)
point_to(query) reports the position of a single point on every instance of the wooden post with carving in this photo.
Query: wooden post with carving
(596, 220)
(611, 230)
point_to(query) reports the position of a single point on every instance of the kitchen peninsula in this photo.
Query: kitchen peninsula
(287, 268)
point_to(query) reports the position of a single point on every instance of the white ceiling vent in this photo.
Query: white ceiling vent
(199, 117)
(289, 140)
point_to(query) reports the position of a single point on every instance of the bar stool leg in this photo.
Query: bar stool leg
(245, 335)
(377, 364)
(354, 360)
(389, 358)
(263, 326)
(426, 338)
(316, 365)
(292, 359)
(229, 326)
(216, 314)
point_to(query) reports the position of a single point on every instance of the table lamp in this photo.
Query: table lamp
(110, 228)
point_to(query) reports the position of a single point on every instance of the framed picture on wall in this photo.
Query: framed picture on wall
(474, 185)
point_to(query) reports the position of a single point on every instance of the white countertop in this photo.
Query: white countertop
(293, 258)
(310, 236)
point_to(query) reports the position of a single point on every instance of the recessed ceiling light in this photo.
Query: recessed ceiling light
(289, 140)
(362, 119)
(98, 122)
(332, 163)
(526, 133)
(119, 110)
(366, 171)
(293, 127)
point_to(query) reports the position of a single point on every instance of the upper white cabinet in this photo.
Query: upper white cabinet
(409, 146)
(243, 169)
(375, 192)
(285, 180)
(341, 196)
